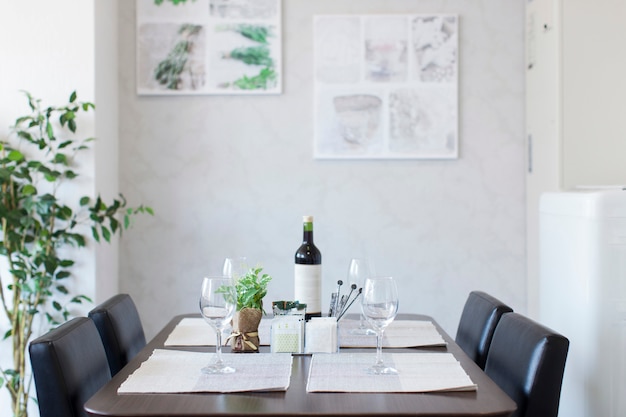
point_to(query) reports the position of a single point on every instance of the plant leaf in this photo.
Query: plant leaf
(106, 234)
(95, 234)
(29, 189)
(49, 131)
(15, 156)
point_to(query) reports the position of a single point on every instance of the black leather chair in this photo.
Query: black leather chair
(120, 328)
(527, 361)
(69, 365)
(480, 316)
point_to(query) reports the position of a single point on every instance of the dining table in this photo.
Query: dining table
(484, 398)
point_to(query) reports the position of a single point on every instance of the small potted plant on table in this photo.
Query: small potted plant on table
(251, 288)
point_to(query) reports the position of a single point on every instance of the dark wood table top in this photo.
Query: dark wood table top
(487, 400)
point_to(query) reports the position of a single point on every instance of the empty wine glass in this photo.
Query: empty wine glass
(358, 271)
(234, 267)
(380, 306)
(218, 300)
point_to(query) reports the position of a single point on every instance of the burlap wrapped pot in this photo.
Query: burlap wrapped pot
(245, 335)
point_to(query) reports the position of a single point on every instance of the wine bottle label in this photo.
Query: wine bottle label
(308, 286)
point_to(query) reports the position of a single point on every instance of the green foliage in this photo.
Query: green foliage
(253, 55)
(263, 80)
(175, 2)
(257, 33)
(257, 55)
(36, 223)
(251, 288)
(168, 71)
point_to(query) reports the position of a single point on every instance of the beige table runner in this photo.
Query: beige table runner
(399, 334)
(194, 331)
(418, 372)
(173, 371)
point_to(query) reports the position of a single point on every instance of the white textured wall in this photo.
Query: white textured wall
(47, 49)
(234, 175)
(106, 150)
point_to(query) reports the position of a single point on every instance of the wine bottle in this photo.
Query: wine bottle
(308, 272)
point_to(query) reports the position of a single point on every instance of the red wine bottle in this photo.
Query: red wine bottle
(308, 272)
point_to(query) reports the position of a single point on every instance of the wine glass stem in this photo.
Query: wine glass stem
(218, 346)
(362, 322)
(379, 347)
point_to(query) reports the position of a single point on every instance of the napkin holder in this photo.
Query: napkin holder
(322, 335)
(287, 330)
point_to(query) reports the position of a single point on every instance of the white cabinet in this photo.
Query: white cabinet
(575, 104)
(583, 296)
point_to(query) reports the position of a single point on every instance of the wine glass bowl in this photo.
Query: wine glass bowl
(380, 307)
(358, 271)
(234, 267)
(218, 300)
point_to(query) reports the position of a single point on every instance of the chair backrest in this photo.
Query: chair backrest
(69, 365)
(527, 361)
(480, 316)
(120, 328)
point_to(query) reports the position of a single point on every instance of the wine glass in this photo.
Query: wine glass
(218, 300)
(380, 306)
(234, 267)
(358, 271)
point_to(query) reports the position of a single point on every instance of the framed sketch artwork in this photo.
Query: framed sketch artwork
(386, 86)
(209, 47)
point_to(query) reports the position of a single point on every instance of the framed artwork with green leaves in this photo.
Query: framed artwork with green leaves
(209, 47)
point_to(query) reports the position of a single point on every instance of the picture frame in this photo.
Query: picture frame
(386, 86)
(196, 47)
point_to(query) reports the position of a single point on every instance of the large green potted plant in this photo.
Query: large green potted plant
(251, 288)
(37, 223)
